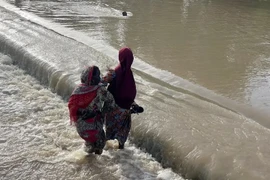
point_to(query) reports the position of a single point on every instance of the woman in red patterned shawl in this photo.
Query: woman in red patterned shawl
(123, 88)
(86, 109)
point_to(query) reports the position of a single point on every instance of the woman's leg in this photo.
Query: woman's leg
(118, 127)
(110, 126)
(124, 126)
(93, 134)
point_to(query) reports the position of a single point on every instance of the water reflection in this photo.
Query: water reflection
(212, 43)
(214, 46)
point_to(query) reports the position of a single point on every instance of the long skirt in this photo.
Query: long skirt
(117, 127)
(92, 132)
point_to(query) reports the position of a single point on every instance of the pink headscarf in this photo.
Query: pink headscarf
(83, 94)
(124, 87)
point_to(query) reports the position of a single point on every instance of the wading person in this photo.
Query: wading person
(123, 88)
(86, 109)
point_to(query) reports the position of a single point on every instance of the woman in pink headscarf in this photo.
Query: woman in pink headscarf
(86, 109)
(123, 88)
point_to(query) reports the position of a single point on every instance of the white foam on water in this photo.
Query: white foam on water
(184, 130)
(36, 135)
(77, 156)
(159, 75)
(112, 144)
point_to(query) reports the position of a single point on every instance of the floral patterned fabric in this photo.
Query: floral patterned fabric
(117, 127)
(91, 130)
(87, 108)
